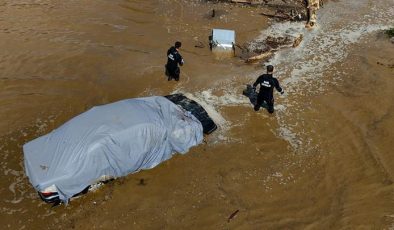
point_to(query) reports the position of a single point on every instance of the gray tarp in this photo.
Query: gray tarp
(114, 140)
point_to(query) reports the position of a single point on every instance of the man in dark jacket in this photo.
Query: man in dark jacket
(267, 83)
(173, 59)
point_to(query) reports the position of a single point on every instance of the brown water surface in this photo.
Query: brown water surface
(323, 161)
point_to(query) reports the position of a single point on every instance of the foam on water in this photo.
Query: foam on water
(303, 70)
(205, 99)
(17, 191)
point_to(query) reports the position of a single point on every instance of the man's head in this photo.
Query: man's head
(270, 68)
(178, 44)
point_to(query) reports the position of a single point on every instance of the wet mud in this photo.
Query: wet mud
(322, 161)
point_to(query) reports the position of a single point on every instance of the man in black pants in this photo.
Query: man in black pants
(266, 93)
(173, 59)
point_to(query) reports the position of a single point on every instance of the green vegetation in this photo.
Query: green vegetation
(390, 32)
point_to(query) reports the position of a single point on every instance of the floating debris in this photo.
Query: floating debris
(142, 182)
(264, 56)
(233, 215)
(264, 50)
(297, 41)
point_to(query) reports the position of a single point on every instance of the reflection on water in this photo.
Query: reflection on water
(322, 161)
(222, 54)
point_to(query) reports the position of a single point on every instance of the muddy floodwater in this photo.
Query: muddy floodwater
(324, 160)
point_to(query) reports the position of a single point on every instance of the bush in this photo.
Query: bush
(390, 32)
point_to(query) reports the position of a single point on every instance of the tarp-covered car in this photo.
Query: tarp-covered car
(111, 141)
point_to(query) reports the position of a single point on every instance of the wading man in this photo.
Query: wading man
(266, 93)
(173, 59)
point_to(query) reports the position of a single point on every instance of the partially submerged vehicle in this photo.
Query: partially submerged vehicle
(222, 42)
(111, 141)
